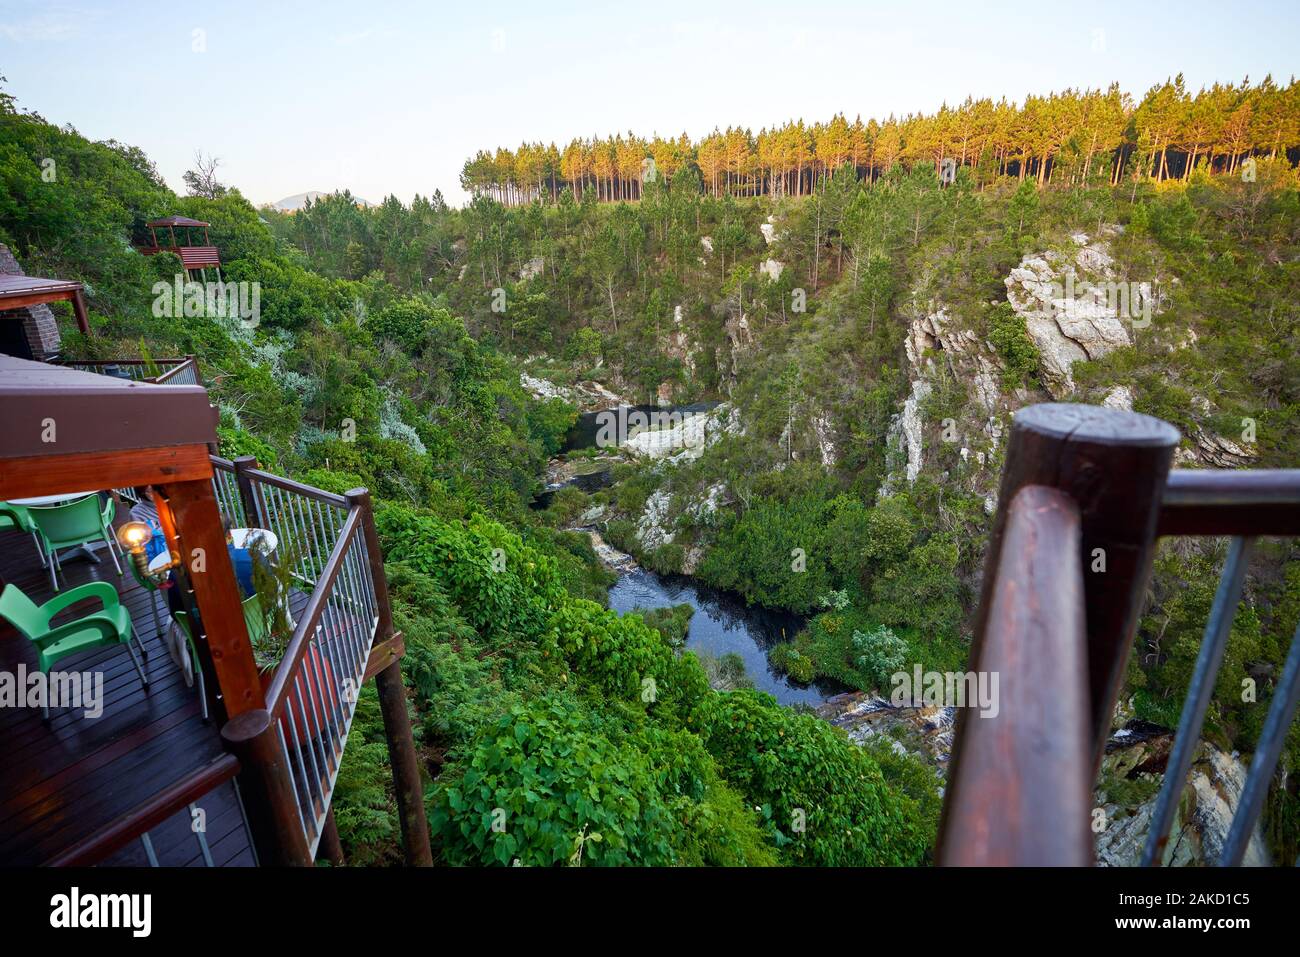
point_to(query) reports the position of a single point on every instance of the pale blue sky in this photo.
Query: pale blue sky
(393, 97)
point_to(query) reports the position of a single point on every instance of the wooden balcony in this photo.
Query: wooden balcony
(67, 787)
(77, 791)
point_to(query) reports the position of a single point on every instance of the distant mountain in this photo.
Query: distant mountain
(291, 204)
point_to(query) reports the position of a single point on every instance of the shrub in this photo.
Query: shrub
(544, 785)
(1011, 339)
(822, 798)
(881, 653)
(786, 659)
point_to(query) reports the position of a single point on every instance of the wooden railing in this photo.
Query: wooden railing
(136, 824)
(1085, 492)
(343, 635)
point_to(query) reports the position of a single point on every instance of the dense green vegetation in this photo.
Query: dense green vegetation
(592, 734)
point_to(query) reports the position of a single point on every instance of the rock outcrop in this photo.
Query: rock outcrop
(1074, 309)
(1131, 775)
(588, 396)
(922, 732)
(532, 269)
(685, 437)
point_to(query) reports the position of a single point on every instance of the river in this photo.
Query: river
(723, 623)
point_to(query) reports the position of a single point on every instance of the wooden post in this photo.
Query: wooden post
(331, 848)
(79, 310)
(1114, 465)
(198, 526)
(252, 514)
(267, 782)
(407, 783)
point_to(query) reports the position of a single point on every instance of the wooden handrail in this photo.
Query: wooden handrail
(153, 812)
(286, 671)
(1084, 493)
(189, 362)
(1020, 793)
(297, 488)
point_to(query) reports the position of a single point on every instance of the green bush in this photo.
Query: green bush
(822, 798)
(881, 653)
(1013, 344)
(545, 785)
(786, 659)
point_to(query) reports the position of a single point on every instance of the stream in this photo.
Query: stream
(722, 622)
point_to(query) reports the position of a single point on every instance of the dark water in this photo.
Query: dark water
(723, 623)
(584, 431)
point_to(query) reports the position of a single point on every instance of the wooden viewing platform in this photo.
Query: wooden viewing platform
(66, 782)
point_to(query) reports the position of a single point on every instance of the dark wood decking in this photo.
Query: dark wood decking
(62, 782)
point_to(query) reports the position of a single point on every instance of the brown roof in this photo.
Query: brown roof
(14, 287)
(95, 413)
(177, 221)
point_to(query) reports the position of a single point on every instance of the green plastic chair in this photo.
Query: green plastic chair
(72, 524)
(253, 618)
(101, 629)
(18, 518)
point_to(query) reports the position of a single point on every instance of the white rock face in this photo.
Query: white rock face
(1074, 310)
(1120, 397)
(705, 508)
(544, 388)
(650, 528)
(768, 229)
(679, 344)
(824, 435)
(935, 338)
(905, 433)
(707, 243)
(1204, 814)
(772, 269)
(587, 396)
(608, 554)
(532, 269)
(687, 437)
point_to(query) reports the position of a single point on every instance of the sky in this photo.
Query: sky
(392, 98)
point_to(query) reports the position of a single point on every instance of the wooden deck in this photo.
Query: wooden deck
(65, 781)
